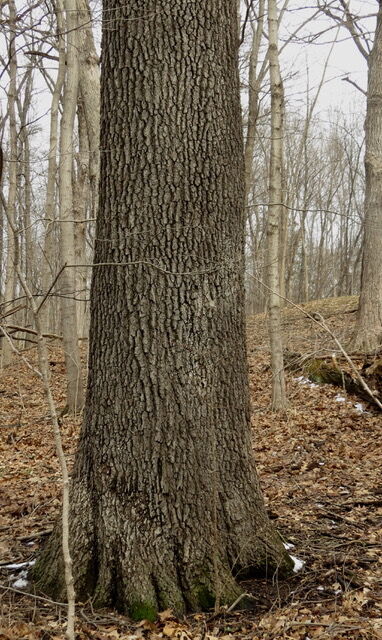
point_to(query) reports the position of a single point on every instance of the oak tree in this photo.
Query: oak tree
(166, 509)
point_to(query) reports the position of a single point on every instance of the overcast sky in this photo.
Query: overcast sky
(302, 61)
(307, 58)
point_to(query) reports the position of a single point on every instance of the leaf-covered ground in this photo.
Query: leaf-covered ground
(320, 467)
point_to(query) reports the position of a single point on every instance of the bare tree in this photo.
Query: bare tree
(275, 212)
(369, 326)
(12, 247)
(75, 392)
(165, 502)
(368, 334)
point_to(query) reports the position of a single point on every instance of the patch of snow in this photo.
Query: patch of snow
(20, 583)
(303, 380)
(320, 588)
(19, 565)
(298, 564)
(339, 398)
(288, 545)
(359, 407)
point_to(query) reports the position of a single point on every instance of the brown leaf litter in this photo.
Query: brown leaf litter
(319, 465)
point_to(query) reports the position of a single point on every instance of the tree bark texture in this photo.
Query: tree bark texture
(165, 502)
(369, 329)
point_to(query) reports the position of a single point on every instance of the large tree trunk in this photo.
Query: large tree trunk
(165, 502)
(369, 327)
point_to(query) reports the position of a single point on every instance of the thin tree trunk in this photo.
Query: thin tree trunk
(10, 276)
(254, 83)
(25, 185)
(81, 201)
(279, 400)
(75, 394)
(90, 93)
(368, 334)
(48, 273)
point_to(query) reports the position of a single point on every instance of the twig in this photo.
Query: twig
(16, 328)
(44, 374)
(32, 536)
(322, 624)
(17, 352)
(50, 288)
(239, 599)
(33, 595)
(355, 85)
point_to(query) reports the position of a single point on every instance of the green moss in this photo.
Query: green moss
(143, 611)
(204, 597)
(314, 370)
(287, 566)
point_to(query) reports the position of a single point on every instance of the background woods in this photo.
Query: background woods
(50, 131)
(143, 213)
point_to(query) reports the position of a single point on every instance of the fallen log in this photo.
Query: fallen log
(321, 371)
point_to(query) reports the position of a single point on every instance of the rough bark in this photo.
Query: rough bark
(369, 326)
(81, 199)
(165, 503)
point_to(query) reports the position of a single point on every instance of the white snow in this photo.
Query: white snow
(359, 407)
(20, 583)
(288, 545)
(19, 565)
(298, 564)
(339, 398)
(303, 380)
(320, 588)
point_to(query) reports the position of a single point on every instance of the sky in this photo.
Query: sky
(303, 60)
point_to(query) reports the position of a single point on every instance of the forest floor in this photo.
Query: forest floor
(320, 468)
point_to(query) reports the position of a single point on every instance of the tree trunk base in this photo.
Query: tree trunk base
(141, 572)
